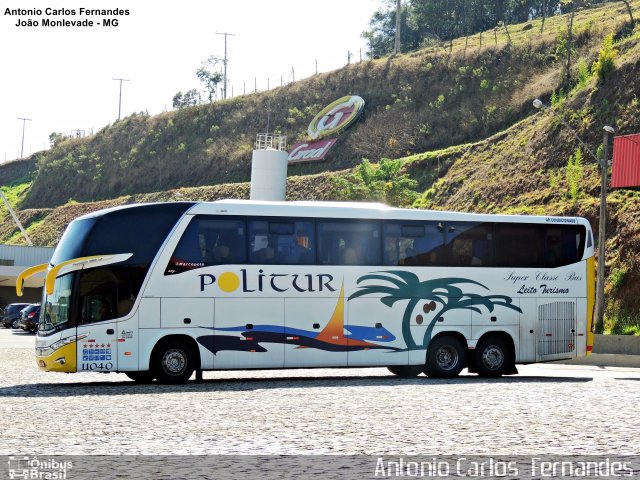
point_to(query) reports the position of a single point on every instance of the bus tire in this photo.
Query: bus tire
(406, 371)
(172, 362)
(141, 377)
(446, 357)
(492, 357)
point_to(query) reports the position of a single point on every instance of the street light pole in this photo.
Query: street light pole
(602, 224)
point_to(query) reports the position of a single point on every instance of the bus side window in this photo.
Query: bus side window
(470, 244)
(349, 243)
(428, 250)
(519, 245)
(564, 245)
(281, 241)
(208, 241)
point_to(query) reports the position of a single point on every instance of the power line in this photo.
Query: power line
(226, 34)
(24, 120)
(120, 99)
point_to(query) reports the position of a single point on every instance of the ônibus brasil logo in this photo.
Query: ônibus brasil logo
(336, 116)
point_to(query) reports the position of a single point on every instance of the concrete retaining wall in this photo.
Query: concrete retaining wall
(617, 344)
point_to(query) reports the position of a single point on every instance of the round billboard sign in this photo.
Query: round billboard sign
(336, 116)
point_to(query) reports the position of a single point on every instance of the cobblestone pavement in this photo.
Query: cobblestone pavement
(546, 409)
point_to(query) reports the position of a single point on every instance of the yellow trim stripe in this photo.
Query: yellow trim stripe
(29, 272)
(53, 273)
(591, 301)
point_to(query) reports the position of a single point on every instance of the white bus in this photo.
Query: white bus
(158, 291)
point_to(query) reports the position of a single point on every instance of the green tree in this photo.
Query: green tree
(55, 138)
(444, 20)
(189, 98)
(380, 38)
(628, 5)
(210, 76)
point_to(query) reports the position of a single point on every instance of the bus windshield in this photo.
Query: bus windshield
(73, 241)
(55, 314)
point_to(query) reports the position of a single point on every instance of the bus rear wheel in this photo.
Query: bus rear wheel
(406, 371)
(446, 357)
(173, 362)
(141, 377)
(492, 357)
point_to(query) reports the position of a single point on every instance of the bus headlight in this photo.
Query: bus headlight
(46, 351)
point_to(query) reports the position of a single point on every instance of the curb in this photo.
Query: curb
(604, 360)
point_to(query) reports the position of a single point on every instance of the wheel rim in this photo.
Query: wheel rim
(492, 357)
(447, 357)
(174, 362)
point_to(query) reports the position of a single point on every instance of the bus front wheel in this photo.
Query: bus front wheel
(446, 357)
(173, 362)
(492, 357)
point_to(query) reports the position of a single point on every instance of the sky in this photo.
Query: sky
(62, 77)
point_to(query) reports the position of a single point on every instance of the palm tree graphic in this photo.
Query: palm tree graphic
(441, 292)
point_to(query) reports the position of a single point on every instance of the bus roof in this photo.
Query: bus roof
(364, 210)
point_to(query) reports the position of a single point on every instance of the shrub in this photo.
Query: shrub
(583, 73)
(616, 277)
(380, 182)
(606, 59)
(574, 173)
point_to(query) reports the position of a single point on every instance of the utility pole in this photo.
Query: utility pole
(602, 227)
(602, 236)
(24, 120)
(226, 34)
(396, 48)
(120, 98)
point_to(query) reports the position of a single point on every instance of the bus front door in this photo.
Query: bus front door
(98, 347)
(97, 327)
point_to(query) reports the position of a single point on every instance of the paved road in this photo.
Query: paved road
(546, 409)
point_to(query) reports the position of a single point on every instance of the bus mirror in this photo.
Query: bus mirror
(29, 272)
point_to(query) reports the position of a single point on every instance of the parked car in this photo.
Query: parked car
(29, 318)
(11, 314)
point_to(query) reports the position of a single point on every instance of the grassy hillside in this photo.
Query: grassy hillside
(417, 102)
(460, 121)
